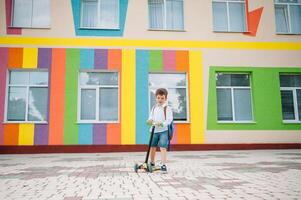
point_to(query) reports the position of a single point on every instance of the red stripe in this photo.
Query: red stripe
(8, 12)
(3, 65)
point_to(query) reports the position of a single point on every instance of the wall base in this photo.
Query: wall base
(138, 148)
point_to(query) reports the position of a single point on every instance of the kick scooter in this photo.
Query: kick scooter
(146, 166)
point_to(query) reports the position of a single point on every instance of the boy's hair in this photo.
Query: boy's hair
(161, 92)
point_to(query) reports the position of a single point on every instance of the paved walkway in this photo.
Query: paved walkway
(273, 174)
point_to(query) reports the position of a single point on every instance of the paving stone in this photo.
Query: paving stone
(261, 174)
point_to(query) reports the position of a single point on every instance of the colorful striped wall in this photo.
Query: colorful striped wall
(133, 66)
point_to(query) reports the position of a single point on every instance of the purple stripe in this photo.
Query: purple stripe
(99, 133)
(44, 62)
(44, 58)
(3, 66)
(101, 58)
(41, 134)
(49, 84)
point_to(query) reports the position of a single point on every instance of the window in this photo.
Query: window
(234, 99)
(100, 14)
(27, 97)
(288, 16)
(98, 97)
(177, 92)
(229, 15)
(31, 13)
(166, 14)
(290, 87)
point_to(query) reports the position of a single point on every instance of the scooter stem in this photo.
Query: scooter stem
(149, 145)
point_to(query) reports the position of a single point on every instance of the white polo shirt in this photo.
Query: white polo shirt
(157, 115)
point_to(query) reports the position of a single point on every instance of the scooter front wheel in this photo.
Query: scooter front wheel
(136, 167)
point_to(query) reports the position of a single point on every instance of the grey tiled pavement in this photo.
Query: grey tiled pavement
(261, 174)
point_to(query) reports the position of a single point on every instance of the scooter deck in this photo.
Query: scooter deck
(157, 168)
(145, 167)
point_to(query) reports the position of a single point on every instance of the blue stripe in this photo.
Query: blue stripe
(87, 58)
(85, 131)
(142, 65)
(85, 134)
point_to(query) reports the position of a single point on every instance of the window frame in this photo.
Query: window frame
(97, 87)
(287, 4)
(177, 87)
(165, 19)
(294, 90)
(8, 85)
(29, 27)
(98, 16)
(232, 99)
(228, 16)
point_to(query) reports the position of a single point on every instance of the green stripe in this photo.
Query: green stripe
(156, 61)
(70, 115)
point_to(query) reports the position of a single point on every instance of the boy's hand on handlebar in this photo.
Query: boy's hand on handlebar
(159, 124)
(153, 123)
(150, 122)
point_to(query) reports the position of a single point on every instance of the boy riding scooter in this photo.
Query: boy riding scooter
(161, 120)
(161, 116)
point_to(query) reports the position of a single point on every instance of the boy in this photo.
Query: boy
(161, 120)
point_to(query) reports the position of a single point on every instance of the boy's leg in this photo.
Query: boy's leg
(152, 154)
(163, 155)
(153, 147)
(163, 145)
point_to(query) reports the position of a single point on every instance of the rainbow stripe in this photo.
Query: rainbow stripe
(64, 64)
(171, 61)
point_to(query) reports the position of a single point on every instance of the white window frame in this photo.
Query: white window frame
(232, 88)
(165, 18)
(97, 87)
(26, 121)
(289, 17)
(33, 27)
(98, 17)
(171, 87)
(294, 90)
(228, 15)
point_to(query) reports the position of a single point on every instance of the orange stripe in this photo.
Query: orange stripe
(57, 97)
(182, 61)
(182, 65)
(113, 134)
(15, 57)
(11, 134)
(114, 59)
(114, 130)
(183, 134)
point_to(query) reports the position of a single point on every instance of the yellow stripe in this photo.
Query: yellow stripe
(26, 134)
(30, 58)
(128, 100)
(196, 97)
(115, 42)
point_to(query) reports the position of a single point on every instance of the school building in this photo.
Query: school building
(80, 75)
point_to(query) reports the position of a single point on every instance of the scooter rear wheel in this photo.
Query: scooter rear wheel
(149, 168)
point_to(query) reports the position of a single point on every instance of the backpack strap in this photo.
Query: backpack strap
(165, 111)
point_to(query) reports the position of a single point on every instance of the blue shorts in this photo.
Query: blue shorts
(160, 138)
